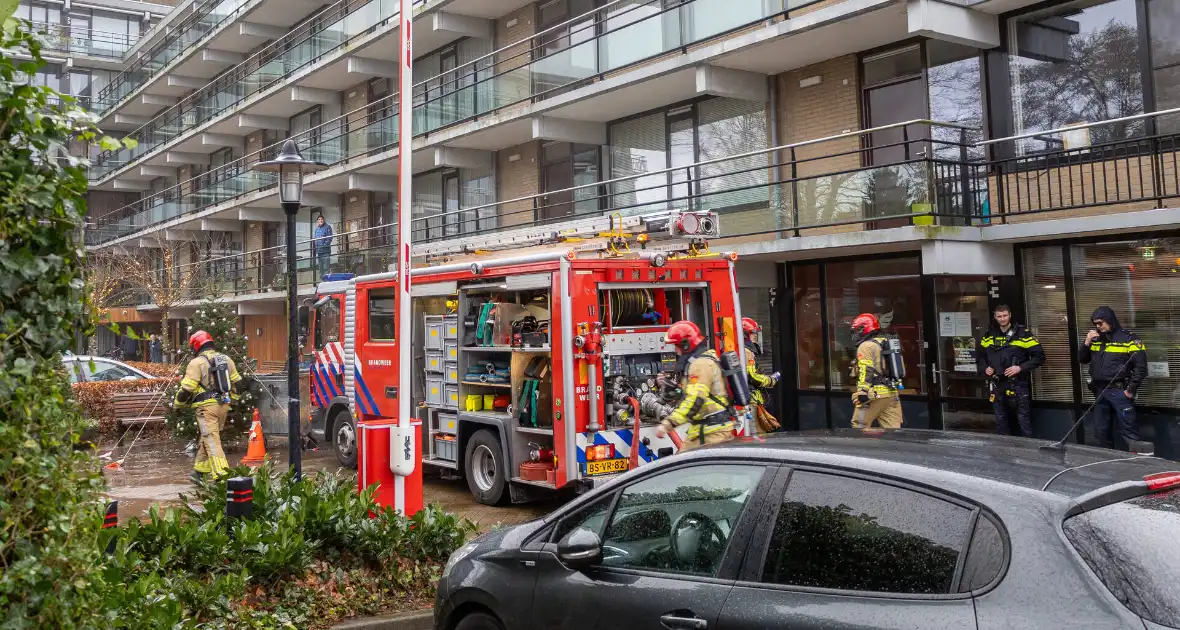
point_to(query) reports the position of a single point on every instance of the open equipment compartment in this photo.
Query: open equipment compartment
(504, 348)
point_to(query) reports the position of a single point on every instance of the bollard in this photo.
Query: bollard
(111, 520)
(239, 498)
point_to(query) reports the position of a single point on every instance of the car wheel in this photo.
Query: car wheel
(485, 468)
(479, 621)
(344, 439)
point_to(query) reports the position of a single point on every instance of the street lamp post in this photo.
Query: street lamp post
(291, 166)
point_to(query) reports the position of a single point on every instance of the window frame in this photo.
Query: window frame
(369, 311)
(751, 573)
(740, 540)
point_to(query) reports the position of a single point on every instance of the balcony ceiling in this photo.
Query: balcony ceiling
(284, 13)
(483, 8)
(877, 24)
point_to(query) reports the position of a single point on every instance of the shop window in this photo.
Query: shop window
(1075, 63)
(1045, 300)
(889, 289)
(1140, 280)
(809, 327)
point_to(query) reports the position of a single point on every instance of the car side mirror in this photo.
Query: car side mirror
(580, 549)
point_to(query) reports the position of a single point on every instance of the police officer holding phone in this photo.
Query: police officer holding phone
(1118, 365)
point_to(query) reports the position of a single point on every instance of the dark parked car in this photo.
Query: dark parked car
(846, 529)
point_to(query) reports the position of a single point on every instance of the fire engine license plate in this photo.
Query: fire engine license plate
(606, 466)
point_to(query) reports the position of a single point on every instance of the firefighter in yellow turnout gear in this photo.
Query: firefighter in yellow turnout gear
(705, 404)
(876, 397)
(752, 333)
(208, 386)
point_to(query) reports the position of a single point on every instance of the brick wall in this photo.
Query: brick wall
(355, 216)
(183, 174)
(515, 85)
(255, 142)
(517, 178)
(829, 108)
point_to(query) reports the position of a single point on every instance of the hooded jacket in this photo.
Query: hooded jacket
(1000, 350)
(1115, 356)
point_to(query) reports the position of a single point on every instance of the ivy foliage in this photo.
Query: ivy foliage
(50, 509)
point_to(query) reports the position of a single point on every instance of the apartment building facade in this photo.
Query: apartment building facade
(924, 160)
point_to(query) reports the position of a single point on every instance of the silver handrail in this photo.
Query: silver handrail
(1034, 134)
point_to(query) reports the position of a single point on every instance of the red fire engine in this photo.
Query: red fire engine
(529, 363)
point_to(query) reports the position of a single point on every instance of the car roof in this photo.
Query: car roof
(907, 452)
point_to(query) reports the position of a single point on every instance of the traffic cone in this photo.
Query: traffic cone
(256, 451)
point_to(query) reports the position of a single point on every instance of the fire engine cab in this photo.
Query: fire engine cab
(531, 349)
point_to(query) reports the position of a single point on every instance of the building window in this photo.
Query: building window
(563, 166)
(1140, 280)
(711, 129)
(1163, 18)
(809, 327)
(1045, 302)
(1072, 64)
(890, 289)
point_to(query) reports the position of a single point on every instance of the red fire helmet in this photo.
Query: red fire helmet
(750, 326)
(198, 339)
(865, 323)
(684, 335)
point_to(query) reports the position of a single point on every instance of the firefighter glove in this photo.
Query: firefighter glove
(862, 398)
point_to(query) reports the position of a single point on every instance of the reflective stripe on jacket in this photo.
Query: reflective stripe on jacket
(870, 371)
(705, 396)
(198, 382)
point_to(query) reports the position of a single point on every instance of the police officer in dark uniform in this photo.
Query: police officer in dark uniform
(1118, 365)
(1007, 354)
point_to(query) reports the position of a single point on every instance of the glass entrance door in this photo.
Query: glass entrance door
(961, 316)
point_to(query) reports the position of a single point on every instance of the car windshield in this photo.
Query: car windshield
(1133, 548)
(106, 371)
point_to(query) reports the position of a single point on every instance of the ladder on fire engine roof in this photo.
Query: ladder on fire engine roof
(655, 226)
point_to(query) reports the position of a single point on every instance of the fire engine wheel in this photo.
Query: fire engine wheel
(487, 475)
(344, 439)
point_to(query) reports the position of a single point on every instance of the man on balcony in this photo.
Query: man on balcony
(322, 244)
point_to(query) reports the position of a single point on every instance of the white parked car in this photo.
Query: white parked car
(88, 369)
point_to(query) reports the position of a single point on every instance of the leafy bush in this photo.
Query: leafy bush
(49, 493)
(313, 547)
(158, 370)
(219, 320)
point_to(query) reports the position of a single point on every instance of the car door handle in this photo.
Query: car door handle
(676, 621)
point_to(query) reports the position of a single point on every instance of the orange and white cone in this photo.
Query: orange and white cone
(256, 451)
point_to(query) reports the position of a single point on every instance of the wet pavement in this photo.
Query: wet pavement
(156, 473)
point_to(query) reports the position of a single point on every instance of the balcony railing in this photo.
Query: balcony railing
(775, 192)
(183, 36)
(331, 30)
(80, 41)
(1125, 167)
(559, 58)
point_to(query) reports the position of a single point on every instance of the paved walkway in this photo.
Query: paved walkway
(157, 473)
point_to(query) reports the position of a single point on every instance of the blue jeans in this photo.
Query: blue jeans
(323, 259)
(1113, 410)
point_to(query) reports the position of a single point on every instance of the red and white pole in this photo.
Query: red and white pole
(407, 487)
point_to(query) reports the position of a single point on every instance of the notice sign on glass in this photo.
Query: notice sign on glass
(954, 324)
